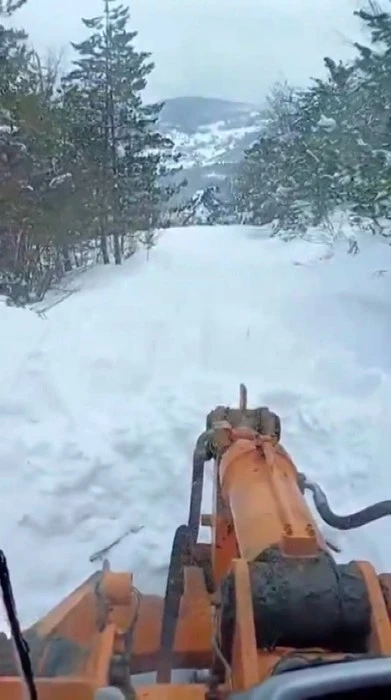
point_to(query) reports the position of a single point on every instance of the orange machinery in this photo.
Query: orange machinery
(263, 611)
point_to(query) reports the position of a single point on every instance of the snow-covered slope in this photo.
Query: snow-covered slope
(213, 144)
(216, 143)
(211, 135)
(101, 401)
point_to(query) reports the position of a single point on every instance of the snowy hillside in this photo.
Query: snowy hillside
(211, 134)
(213, 144)
(102, 398)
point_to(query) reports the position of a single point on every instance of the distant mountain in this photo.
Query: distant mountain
(188, 114)
(212, 135)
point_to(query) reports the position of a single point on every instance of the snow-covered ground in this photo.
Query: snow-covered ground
(102, 400)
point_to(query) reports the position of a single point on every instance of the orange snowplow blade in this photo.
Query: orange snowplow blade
(263, 599)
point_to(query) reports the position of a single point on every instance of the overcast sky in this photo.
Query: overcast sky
(222, 48)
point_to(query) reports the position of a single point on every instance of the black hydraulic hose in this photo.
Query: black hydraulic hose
(201, 455)
(180, 557)
(185, 538)
(344, 522)
(20, 644)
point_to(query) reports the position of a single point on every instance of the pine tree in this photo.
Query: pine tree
(31, 192)
(324, 147)
(79, 165)
(14, 162)
(125, 156)
(373, 181)
(268, 186)
(8, 7)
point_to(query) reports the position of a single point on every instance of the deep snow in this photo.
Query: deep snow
(102, 400)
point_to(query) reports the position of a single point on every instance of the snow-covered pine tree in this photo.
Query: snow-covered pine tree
(205, 207)
(8, 7)
(267, 186)
(314, 155)
(32, 195)
(326, 121)
(15, 165)
(372, 182)
(124, 154)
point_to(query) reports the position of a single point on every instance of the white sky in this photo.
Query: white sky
(222, 48)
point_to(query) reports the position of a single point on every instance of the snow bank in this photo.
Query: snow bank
(102, 401)
(20, 333)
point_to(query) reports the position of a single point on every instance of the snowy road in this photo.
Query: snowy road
(101, 402)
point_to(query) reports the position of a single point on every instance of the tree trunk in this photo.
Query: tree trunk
(103, 248)
(66, 259)
(117, 249)
(76, 257)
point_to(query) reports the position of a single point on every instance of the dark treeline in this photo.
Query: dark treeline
(83, 167)
(326, 147)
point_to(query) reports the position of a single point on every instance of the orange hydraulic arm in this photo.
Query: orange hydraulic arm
(262, 601)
